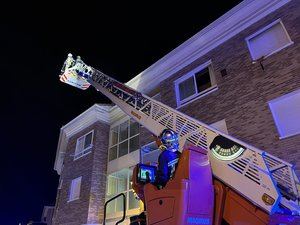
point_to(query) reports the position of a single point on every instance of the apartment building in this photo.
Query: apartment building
(240, 74)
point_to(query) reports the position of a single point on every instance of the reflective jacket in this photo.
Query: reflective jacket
(167, 163)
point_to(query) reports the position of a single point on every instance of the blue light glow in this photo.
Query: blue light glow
(197, 220)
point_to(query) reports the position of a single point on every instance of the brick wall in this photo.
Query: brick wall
(242, 96)
(88, 208)
(98, 180)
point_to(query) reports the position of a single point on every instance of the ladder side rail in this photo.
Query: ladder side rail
(136, 95)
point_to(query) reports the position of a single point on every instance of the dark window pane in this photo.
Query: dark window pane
(123, 148)
(124, 131)
(134, 143)
(186, 88)
(134, 128)
(114, 135)
(112, 153)
(88, 140)
(203, 79)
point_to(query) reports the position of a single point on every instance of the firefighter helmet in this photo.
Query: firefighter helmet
(169, 139)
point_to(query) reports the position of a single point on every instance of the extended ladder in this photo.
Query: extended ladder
(263, 179)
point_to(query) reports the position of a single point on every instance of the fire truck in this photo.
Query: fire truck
(219, 179)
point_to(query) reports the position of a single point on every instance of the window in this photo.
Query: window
(124, 131)
(268, 40)
(120, 182)
(286, 114)
(84, 145)
(114, 135)
(124, 139)
(74, 192)
(198, 82)
(150, 153)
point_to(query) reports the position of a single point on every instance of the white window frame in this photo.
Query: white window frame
(264, 29)
(197, 94)
(84, 151)
(117, 124)
(281, 136)
(71, 190)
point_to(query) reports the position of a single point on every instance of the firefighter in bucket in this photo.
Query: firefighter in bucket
(168, 158)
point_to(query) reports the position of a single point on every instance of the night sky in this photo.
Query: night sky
(119, 39)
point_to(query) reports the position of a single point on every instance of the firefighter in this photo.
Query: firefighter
(168, 158)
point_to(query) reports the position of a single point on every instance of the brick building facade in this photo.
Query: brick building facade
(222, 76)
(89, 205)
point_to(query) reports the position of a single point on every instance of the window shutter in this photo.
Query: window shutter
(75, 189)
(286, 114)
(268, 41)
(77, 186)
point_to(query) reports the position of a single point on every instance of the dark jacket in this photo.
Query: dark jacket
(167, 163)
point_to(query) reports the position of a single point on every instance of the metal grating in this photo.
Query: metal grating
(282, 175)
(243, 166)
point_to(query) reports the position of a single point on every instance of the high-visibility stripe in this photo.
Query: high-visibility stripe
(174, 161)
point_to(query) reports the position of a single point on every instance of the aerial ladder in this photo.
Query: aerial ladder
(219, 179)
